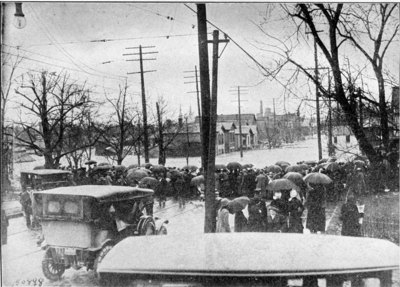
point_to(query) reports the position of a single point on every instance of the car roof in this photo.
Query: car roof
(99, 191)
(47, 171)
(250, 254)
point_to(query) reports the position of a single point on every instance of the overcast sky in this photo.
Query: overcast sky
(60, 36)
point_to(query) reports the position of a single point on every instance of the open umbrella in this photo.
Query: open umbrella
(304, 166)
(324, 160)
(135, 165)
(149, 182)
(89, 162)
(317, 178)
(197, 180)
(146, 165)
(102, 167)
(296, 178)
(294, 168)
(332, 159)
(103, 163)
(234, 165)
(310, 162)
(238, 204)
(220, 166)
(281, 184)
(190, 167)
(332, 166)
(274, 168)
(247, 165)
(158, 168)
(174, 174)
(282, 164)
(120, 168)
(136, 174)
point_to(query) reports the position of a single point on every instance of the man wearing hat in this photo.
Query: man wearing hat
(275, 221)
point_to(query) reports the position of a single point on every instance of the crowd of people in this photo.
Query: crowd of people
(269, 208)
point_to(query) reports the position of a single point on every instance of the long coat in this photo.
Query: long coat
(276, 224)
(295, 210)
(223, 221)
(350, 216)
(257, 215)
(240, 222)
(316, 202)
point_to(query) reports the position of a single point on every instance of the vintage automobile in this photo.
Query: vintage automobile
(42, 179)
(80, 224)
(250, 259)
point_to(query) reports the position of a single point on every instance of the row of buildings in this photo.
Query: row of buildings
(265, 130)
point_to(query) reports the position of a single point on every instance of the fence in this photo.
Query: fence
(383, 228)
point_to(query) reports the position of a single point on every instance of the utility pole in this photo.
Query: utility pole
(144, 105)
(188, 142)
(239, 92)
(196, 76)
(330, 144)
(317, 97)
(204, 81)
(274, 134)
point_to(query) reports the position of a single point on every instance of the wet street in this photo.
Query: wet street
(22, 258)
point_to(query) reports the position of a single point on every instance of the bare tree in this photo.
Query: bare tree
(47, 101)
(167, 130)
(8, 67)
(327, 18)
(381, 27)
(119, 133)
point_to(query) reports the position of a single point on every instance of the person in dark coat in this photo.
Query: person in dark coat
(4, 226)
(257, 214)
(278, 202)
(350, 216)
(275, 221)
(316, 203)
(26, 203)
(295, 210)
(241, 224)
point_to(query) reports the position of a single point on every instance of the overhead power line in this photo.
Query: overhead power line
(55, 65)
(247, 53)
(113, 40)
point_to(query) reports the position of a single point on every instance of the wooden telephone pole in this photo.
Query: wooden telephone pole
(209, 114)
(239, 92)
(144, 105)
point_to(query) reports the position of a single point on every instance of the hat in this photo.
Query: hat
(224, 202)
(274, 208)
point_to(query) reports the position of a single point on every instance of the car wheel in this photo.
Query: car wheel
(149, 229)
(163, 231)
(52, 270)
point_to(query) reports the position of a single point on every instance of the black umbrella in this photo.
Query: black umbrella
(282, 164)
(294, 168)
(296, 178)
(136, 174)
(38, 167)
(158, 168)
(146, 165)
(220, 166)
(135, 165)
(317, 178)
(197, 180)
(310, 162)
(91, 162)
(149, 182)
(190, 167)
(103, 163)
(234, 165)
(281, 184)
(274, 168)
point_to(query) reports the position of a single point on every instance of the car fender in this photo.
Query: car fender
(160, 222)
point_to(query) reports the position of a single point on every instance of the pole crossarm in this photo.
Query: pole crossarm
(151, 71)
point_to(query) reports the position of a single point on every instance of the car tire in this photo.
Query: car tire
(51, 270)
(163, 231)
